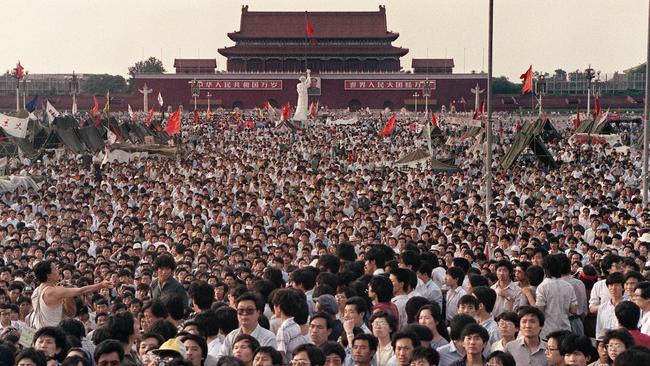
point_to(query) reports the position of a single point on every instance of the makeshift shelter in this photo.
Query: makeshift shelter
(600, 126)
(549, 132)
(529, 136)
(421, 158)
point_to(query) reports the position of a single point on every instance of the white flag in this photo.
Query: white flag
(51, 112)
(14, 126)
(160, 99)
(130, 112)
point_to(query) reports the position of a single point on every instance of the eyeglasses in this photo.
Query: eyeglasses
(246, 311)
(549, 350)
(615, 346)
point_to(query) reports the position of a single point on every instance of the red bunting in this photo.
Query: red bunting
(434, 120)
(285, 112)
(389, 127)
(148, 121)
(527, 79)
(95, 110)
(173, 124)
(20, 71)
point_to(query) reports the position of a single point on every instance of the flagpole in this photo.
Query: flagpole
(488, 128)
(646, 119)
(306, 37)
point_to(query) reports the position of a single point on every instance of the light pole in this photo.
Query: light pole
(25, 81)
(73, 86)
(488, 127)
(426, 92)
(589, 75)
(208, 95)
(416, 95)
(14, 74)
(646, 110)
(541, 90)
(195, 90)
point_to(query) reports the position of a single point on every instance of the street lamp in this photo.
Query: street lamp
(416, 95)
(540, 90)
(589, 75)
(195, 90)
(73, 87)
(208, 95)
(25, 81)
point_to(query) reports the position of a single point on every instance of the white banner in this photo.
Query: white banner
(341, 122)
(14, 126)
(51, 112)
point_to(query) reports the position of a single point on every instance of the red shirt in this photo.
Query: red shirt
(640, 339)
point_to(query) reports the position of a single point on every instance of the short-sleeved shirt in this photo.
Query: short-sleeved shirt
(514, 293)
(557, 297)
(264, 336)
(289, 337)
(524, 356)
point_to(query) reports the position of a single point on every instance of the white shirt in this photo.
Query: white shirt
(644, 323)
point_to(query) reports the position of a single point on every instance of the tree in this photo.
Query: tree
(502, 85)
(151, 65)
(99, 84)
(560, 75)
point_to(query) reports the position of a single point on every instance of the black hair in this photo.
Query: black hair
(412, 306)
(403, 275)
(475, 328)
(227, 319)
(121, 326)
(505, 358)
(486, 296)
(436, 314)
(316, 356)
(383, 287)
(390, 319)
(607, 262)
(329, 263)
(427, 353)
(331, 347)
(553, 265)
(288, 301)
(377, 255)
(456, 273)
(42, 270)
(457, 323)
(633, 356)
(477, 280)
(202, 294)
(505, 263)
(628, 314)
(230, 361)
(580, 343)
(108, 346)
(208, 323)
(535, 275)
(276, 357)
(405, 334)
(59, 340)
(621, 334)
(329, 321)
(411, 259)
(531, 310)
(423, 332)
(175, 305)
(250, 296)
(165, 328)
(164, 261)
(303, 277)
(37, 357)
(645, 289)
(616, 277)
(359, 304)
(74, 360)
(373, 342)
(157, 308)
(252, 341)
(73, 327)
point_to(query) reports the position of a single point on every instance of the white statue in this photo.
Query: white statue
(303, 98)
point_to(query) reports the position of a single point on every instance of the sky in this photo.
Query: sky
(108, 36)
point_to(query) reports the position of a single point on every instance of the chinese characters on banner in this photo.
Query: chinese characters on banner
(240, 84)
(387, 84)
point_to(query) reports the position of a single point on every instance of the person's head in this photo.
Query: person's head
(531, 321)
(164, 266)
(382, 288)
(244, 346)
(577, 350)
(500, 358)
(628, 314)
(474, 338)
(456, 325)
(46, 270)
(634, 356)
(109, 353)
(320, 327)
(454, 277)
(382, 324)
(121, 327)
(617, 341)
(642, 295)
(149, 341)
(425, 356)
(401, 279)
(75, 360)
(467, 304)
(404, 342)
(267, 356)
(30, 357)
(355, 308)
(249, 309)
(553, 265)
(505, 270)
(554, 340)
(486, 298)
(333, 352)
(364, 347)
(308, 355)
(615, 282)
(208, 323)
(52, 342)
(202, 295)
(431, 316)
(287, 301)
(196, 349)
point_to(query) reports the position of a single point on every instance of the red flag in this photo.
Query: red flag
(597, 108)
(196, 117)
(517, 127)
(483, 107)
(249, 124)
(314, 110)
(527, 79)
(20, 71)
(285, 112)
(389, 127)
(476, 115)
(267, 105)
(173, 123)
(95, 110)
(98, 121)
(434, 120)
(148, 121)
(576, 121)
(308, 27)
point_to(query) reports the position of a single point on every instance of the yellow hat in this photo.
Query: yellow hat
(171, 346)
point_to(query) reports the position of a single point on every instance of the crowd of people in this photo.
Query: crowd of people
(277, 245)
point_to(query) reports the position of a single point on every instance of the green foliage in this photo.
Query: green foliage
(150, 65)
(99, 84)
(502, 85)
